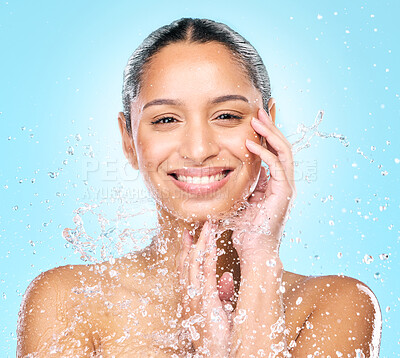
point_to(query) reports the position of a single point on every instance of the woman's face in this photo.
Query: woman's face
(190, 122)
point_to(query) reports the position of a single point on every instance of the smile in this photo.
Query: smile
(200, 180)
(203, 179)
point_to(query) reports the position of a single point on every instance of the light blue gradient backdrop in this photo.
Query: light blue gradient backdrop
(61, 75)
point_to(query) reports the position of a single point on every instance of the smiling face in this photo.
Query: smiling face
(190, 122)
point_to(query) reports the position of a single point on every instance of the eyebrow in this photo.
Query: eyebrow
(220, 99)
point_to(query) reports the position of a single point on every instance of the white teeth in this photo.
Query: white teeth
(202, 180)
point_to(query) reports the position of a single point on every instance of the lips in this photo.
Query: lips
(200, 181)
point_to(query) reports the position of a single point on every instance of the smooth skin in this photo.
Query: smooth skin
(227, 289)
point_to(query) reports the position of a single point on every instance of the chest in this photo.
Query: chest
(151, 325)
(139, 328)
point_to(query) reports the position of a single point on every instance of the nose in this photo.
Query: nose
(199, 142)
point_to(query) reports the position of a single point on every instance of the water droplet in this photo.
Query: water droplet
(89, 152)
(191, 291)
(377, 275)
(368, 259)
(109, 305)
(78, 137)
(339, 255)
(384, 173)
(271, 263)
(15, 207)
(70, 150)
(299, 300)
(53, 174)
(384, 257)
(373, 148)
(215, 315)
(241, 316)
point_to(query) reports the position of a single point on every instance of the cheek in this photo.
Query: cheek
(151, 151)
(237, 144)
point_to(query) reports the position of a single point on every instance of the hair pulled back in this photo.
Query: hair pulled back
(192, 30)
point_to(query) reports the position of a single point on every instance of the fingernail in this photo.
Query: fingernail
(226, 277)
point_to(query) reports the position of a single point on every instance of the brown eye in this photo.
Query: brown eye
(164, 120)
(227, 116)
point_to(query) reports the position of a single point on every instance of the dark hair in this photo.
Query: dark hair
(192, 31)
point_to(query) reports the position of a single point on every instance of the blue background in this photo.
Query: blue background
(60, 84)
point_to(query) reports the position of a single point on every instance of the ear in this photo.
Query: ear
(272, 108)
(127, 142)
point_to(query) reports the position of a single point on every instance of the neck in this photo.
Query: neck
(166, 247)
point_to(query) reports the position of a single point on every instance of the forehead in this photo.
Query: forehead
(180, 67)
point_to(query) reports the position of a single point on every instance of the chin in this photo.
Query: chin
(199, 207)
(199, 211)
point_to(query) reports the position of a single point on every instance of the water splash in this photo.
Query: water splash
(306, 133)
(97, 238)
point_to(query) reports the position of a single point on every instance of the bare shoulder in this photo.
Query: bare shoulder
(332, 313)
(47, 308)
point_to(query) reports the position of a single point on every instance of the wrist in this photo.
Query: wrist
(259, 245)
(260, 258)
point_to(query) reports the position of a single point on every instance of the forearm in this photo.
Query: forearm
(259, 322)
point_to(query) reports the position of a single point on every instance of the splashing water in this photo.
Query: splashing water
(97, 238)
(307, 133)
(116, 236)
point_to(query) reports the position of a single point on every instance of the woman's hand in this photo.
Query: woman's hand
(261, 224)
(205, 316)
(259, 322)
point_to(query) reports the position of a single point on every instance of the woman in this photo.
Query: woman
(198, 121)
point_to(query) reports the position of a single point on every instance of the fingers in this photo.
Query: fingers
(204, 315)
(226, 287)
(196, 274)
(279, 144)
(275, 166)
(186, 245)
(210, 265)
(267, 120)
(198, 263)
(187, 241)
